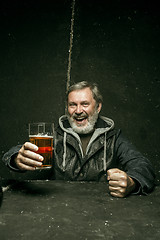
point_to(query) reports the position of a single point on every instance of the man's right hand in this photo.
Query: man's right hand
(27, 158)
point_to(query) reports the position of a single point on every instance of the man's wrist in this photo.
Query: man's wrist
(12, 163)
(132, 184)
(136, 186)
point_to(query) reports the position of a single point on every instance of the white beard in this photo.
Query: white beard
(84, 129)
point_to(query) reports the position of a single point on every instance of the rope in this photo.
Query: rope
(70, 46)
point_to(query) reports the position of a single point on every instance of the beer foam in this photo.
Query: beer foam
(41, 135)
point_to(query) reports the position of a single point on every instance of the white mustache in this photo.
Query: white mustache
(79, 116)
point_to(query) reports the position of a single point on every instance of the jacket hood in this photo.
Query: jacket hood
(103, 126)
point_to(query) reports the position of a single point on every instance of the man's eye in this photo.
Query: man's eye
(72, 104)
(85, 104)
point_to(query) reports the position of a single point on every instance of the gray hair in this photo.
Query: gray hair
(84, 84)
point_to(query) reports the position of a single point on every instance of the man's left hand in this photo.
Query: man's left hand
(120, 184)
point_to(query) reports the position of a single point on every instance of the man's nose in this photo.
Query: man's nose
(79, 109)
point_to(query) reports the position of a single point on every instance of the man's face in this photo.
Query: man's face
(82, 110)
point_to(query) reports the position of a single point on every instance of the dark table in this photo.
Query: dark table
(76, 210)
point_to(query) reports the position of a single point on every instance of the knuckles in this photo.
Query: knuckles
(124, 177)
(124, 184)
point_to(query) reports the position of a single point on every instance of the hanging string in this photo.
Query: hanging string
(70, 46)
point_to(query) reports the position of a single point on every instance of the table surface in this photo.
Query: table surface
(76, 210)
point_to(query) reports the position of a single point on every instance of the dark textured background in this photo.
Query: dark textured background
(115, 43)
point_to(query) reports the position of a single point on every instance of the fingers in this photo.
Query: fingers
(118, 182)
(113, 173)
(27, 158)
(117, 191)
(117, 177)
(30, 146)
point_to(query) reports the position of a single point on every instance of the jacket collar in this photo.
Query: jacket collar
(102, 123)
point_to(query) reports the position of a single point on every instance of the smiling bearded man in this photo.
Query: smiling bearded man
(88, 147)
(82, 110)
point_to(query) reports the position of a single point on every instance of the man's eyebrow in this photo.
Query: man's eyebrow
(82, 102)
(71, 102)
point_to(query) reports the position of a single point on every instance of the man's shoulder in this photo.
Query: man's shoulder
(103, 122)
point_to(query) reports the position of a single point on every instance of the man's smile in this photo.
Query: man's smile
(80, 120)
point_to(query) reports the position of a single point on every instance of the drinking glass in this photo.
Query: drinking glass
(41, 134)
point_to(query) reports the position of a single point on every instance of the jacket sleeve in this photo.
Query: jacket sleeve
(135, 164)
(8, 156)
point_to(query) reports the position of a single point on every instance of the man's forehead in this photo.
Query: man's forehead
(81, 95)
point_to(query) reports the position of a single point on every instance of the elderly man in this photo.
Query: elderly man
(87, 147)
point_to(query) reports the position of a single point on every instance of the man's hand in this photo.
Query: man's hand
(27, 158)
(120, 184)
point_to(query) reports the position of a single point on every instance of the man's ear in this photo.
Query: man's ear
(99, 107)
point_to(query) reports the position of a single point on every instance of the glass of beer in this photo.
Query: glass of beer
(41, 134)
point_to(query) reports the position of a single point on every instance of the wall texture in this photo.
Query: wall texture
(115, 43)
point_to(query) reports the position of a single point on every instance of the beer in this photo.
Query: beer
(45, 148)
